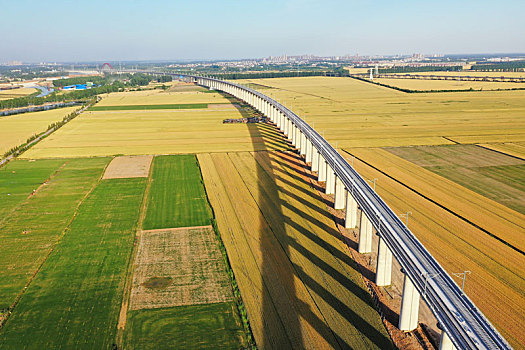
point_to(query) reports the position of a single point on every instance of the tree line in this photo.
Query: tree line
(262, 75)
(516, 66)
(407, 69)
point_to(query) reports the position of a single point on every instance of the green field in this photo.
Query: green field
(209, 326)
(176, 197)
(491, 174)
(75, 299)
(19, 178)
(145, 107)
(30, 232)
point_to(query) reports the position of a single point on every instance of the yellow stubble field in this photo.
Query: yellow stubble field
(16, 129)
(352, 113)
(155, 131)
(497, 271)
(420, 84)
(14, 93)
(299, 285)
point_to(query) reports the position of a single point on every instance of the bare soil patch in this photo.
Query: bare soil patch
(128, 166)
(181, 266)
(220, 106)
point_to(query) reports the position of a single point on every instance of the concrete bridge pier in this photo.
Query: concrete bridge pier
(384, 264)
(365, 235)
(321, 176)
(303, 145)
(298, 139)
(286, 126)
(309, 150)
(408, 317)
(340, 192)
(351, 211)
(330, 180)
(315, 160)
(445, 342)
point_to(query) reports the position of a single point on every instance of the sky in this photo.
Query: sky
(113, 30)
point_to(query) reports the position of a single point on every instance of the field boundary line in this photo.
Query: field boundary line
(449, 139)
(126, 294)
(500, 152)
(439, 205)
(51, 250)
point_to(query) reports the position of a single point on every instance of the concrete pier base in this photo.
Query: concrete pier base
(322, 169)
(384, 264)
(315, 159)
(365, 235)
(351, 211)
(445, 342)
(340, 192)
(408, 317)
(330, 180)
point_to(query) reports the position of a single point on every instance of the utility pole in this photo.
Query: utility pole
(462, 275)
(406, 216)
(373, 182)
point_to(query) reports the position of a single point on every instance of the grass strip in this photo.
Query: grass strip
(207, 326)
(176, 197)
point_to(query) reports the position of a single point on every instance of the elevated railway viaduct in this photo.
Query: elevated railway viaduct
(463, 324)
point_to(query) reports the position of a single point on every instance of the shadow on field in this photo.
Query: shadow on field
(290, 235)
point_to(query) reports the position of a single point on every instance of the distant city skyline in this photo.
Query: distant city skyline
(66, 31)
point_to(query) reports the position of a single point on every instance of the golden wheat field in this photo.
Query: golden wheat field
(516, 149)
(352, 113)
(497, 271)
(158, 97)
(472, 74)
(494, 217)
(420, 84)
(14, 93)
(16, 129)
(156, 131)
(299, 284)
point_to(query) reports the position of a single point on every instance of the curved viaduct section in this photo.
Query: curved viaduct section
(463, 324)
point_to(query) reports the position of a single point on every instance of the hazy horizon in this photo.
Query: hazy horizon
(66, 31)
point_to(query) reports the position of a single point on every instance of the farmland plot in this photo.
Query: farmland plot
(30, 232)
(300, 287)
(177, 267)
(74, 300)
(495, 218)
(496, 280)
(176, 197)
(19, 178)
(491, 174)
(358, 114)
(181, 295)
(16, 129)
